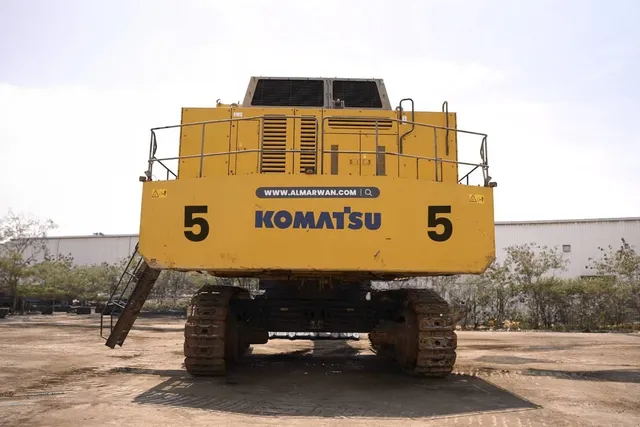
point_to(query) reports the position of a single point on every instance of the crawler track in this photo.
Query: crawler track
(212, 343)
(424, 341)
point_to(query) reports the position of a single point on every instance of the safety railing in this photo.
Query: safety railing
(154, 145)
(483, 165)
(119, 295)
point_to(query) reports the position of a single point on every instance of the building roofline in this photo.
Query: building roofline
(523, 222)
(84, 236)
(569, 221)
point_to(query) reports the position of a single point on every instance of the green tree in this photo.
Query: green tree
(93, 282)
(21, 246)
(531, 269)
(52, 278)
(500, 291)
(623, 263)
(472, 293)
(619, 269)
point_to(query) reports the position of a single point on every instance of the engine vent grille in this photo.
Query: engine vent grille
(308, 144)
(274, 142)
(357, 94)
(289, 92)
(357, 123)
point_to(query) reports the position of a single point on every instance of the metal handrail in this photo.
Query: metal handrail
(438, 161)
(154, 145)
(391, 119)
(466, 176)
(127, 279)
(390, 153)
(483, 144)
(445, 110)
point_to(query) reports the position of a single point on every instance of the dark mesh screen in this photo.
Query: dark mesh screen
(294, 93)
(356, 94)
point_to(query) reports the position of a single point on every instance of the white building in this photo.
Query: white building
(577, 239)
(93, 249)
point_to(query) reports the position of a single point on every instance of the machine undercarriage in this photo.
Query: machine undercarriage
(411, 326)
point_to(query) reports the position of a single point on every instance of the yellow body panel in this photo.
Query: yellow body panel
(238, 243)
(244, 134)
(241, 156)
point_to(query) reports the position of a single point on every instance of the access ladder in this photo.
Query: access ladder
(138, 279)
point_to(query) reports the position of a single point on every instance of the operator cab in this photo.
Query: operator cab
(318, 92)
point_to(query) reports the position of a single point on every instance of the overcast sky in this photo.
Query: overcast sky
(554, 83)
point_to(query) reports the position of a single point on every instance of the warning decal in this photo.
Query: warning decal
(159, 193)
(476, 198)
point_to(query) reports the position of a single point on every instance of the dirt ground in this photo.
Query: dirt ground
(56, 370)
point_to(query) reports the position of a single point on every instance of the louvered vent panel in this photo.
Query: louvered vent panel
(308, 145)
(357, 123)
(274, 142)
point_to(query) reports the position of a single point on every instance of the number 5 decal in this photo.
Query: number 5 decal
(190, 221)
(433, 221)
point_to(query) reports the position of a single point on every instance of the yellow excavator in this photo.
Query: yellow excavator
(319, 189)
